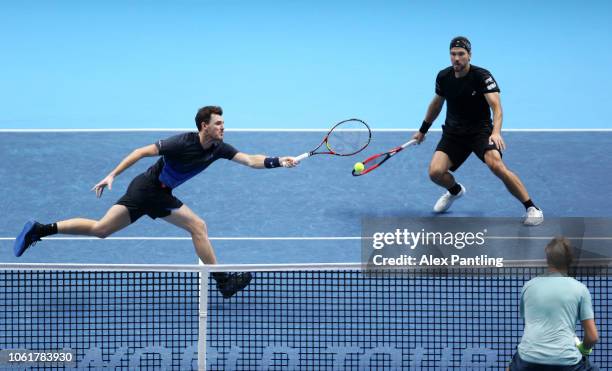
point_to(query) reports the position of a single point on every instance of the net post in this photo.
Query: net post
(202, 315)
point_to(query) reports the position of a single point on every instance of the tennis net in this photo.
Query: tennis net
(323, 317)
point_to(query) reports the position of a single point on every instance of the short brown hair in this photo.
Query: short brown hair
(559, 253)
(203, 115)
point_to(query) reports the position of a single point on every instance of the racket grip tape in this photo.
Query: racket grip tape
(302, 156)
(410, 143)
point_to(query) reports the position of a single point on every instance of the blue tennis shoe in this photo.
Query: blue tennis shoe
(26, 238)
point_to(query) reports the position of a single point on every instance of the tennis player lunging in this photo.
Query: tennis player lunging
(182, 157)
(470, 93)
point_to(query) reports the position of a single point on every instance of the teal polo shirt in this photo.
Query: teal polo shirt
(551, 305)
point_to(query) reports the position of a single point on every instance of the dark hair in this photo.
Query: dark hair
(203, 115)
(559, 253)
(461, 42)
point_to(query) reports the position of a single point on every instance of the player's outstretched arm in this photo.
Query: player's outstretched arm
(263, 162)
(129, 160)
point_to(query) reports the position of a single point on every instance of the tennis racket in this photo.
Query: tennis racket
(346, 138)
(375, 161)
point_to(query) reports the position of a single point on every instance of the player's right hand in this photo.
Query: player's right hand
(99, 188)
(420, 137)
(288, 161)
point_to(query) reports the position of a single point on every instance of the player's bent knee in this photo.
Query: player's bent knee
(101, 231)
(436, 173)
(199, 228)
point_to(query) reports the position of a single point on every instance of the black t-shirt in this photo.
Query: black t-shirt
(183, 158)
(467, 110)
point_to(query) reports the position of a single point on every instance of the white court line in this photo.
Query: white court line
(189, 238)
(280, 130)
(545, 238)
(352, 238)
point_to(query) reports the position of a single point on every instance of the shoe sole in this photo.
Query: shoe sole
(531, 224)
(19, 247)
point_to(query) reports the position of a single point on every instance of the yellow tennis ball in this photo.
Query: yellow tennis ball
(358, 167)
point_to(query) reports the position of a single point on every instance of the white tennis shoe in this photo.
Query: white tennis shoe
(533, 216)
(447, 199)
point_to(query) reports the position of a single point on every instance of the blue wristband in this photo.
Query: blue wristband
(271, 162)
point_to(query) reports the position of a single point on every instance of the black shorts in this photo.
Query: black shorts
(459, 147)
(518, 364)
(147, 196)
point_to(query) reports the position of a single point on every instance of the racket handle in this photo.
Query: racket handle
(302, 156)
(409, 143)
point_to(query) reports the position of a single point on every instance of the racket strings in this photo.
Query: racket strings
(373, 162)
(348, 138)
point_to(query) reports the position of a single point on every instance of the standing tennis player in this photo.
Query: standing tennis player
(551, 304)
(182, 157)
(470, 92)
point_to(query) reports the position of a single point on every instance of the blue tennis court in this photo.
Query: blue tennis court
(51, 174)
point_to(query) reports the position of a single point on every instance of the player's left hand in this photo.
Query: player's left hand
(106, 182)
(498, 141)
(288, 161)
